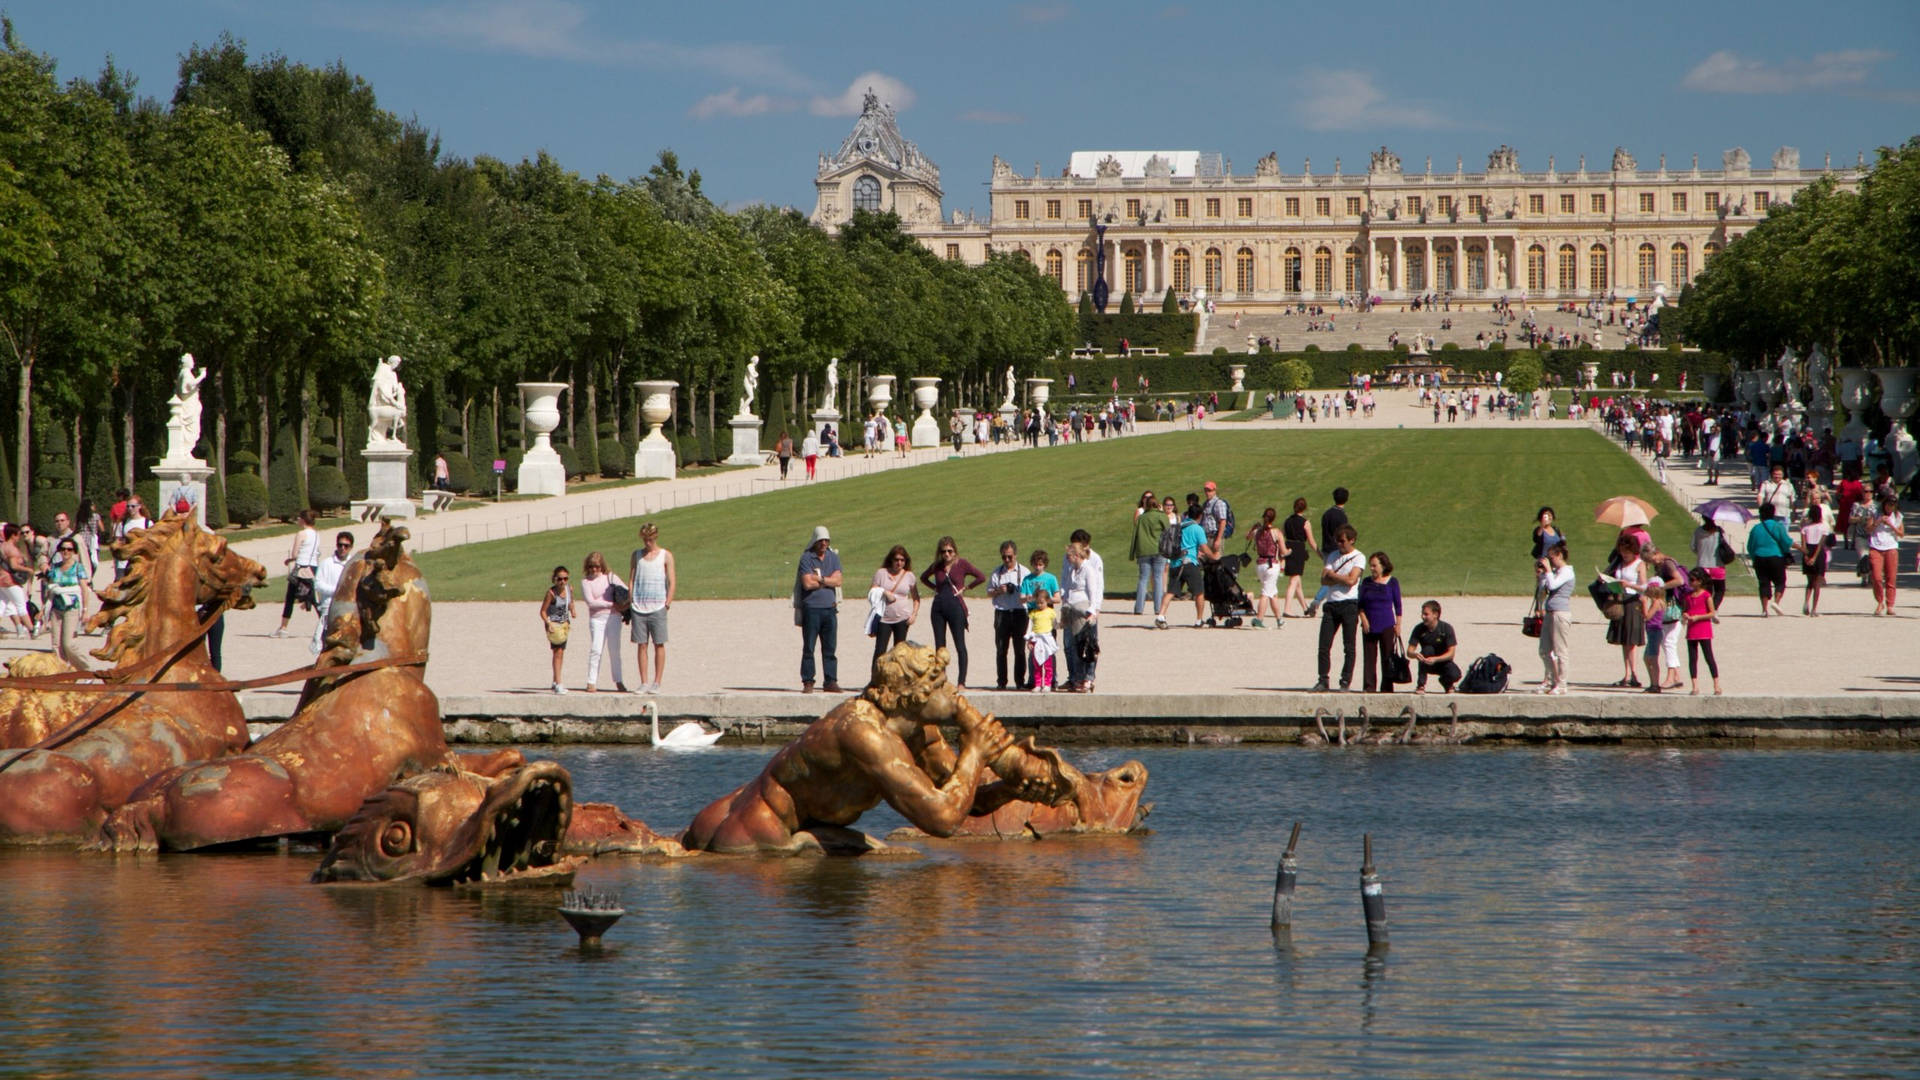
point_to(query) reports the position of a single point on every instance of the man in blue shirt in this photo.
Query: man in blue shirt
(817, 610)
(1185, 577)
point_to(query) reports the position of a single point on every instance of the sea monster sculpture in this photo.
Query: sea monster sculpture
(86, 750)
(1097, 803)
(351, 735)
(884, 745)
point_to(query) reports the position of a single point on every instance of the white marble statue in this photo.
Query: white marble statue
(1013, 389)
(1789, 383)
(1819, 378)
(833, 384)
(183, 426)
(752, 384)
(387, 405)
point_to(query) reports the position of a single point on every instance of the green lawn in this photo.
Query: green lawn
(1454, 509)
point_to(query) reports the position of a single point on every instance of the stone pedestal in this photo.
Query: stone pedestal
(1010, 420)
(387, 483)
(187, 477)
(541, 470)
(655, 457)
(746, 441)
(966, 426)
(926, 430)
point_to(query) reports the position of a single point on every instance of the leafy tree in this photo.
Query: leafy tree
(1524, 374)
(1295, 375)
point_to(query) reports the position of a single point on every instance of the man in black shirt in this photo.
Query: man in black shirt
(1432, 646)
(1334, 517)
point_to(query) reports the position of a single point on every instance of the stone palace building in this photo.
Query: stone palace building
(1184, 220)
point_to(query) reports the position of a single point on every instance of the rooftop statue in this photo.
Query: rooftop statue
(885, 745)
(83, 752)
(1623, 160)
(1383, 161)
(1267, 166)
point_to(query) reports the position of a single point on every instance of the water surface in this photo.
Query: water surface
(1555, 912)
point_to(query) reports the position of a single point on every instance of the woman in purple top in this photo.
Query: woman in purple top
(948, 579)
(1379, 622)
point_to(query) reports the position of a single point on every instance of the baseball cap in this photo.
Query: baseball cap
(1210, 486)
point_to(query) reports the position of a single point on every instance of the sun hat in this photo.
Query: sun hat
(819, 534)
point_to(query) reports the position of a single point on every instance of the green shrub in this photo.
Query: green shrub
(103, 464)
(149, 492)
(1295, 375)
(585, 447)
(1169, 304)
(1497, 346)
(1126, 304)
(246, 498)
(459, 472)
(512, 458)
(286, 491)
(1311, 348)
(1086, 305)
(243, 461)
(1219, 350)
(216, 502)
(615, 459)
(327, 488)
(44, 502)
(1524, 374)
(1449, 346)
(569, 462)
(1353, 346)
(1147, 330)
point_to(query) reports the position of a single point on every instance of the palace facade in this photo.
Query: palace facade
(1183, 220)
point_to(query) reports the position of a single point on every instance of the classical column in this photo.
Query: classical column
(1426, 286)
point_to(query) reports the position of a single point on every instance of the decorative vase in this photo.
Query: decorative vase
(655, 457)
(1855, 391)
(1038, 390)
(926, 391)
(1239, 373)
(541, 471)
(879, 392)
(1896, 391)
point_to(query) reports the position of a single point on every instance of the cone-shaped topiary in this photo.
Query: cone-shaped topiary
(586, 447)
(103, 463)
(286, 494)
(1169, 304)
(459, 472)
(1126, 303)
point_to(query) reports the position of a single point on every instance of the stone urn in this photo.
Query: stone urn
(655, 457)
(1239, 373)
(1038, 390)
(1590, 372)
(926, 393)
(879, 392)
(541, 471)
(1896, 391)
(1856, 389)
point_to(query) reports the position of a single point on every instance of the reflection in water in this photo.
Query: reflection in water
(1563, 912)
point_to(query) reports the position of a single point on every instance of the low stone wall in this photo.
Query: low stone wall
(1852, 720)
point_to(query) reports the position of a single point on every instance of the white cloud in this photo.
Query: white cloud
(1043, 13)
(847, 103)
(729, 102)
(991, 116)
(1348, 100)
(1727, 72)
(559, 30)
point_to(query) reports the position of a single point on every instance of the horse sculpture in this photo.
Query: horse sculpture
(352, 734)
(80, 750)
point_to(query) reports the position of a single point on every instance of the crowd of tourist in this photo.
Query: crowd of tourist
(47, 581)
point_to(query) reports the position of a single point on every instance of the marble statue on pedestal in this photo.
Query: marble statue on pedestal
(183, 426)
(752, 384)
(1013, 389)
(833, 384)
(386, 405)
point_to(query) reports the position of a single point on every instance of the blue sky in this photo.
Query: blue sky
(750, 93)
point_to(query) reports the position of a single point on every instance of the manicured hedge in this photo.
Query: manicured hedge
(1176, 373)
(1143, 329)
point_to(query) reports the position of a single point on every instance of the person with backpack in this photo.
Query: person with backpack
(1186, 576)
(1149, 530)
(1269, 548)
(1432, 647)
(1216, 515)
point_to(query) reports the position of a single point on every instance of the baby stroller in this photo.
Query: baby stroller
(1221, 585)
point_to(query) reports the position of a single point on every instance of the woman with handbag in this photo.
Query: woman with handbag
(1554, 599)
(1379, 624)
(899, 599)
(1712, 553)
(1885, 530)
(597, 585)
(1629, 631)
(556, 618)
(1770, 547)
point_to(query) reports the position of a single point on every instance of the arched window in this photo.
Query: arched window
(1569, 268)
(1708, 252)
(1354, 279)
(1056, 267)
(1082, 270)
(1536, 269)
(1416, 263)
(1597, 268)
(1443, 268)
(1646, 266)
(1323, 270)
(1182, 271)
(1290, 270)
(866, 193)
(1133, 272)
(1476, 268)
(1679, 267)
(1243, 270)
(1216, 275)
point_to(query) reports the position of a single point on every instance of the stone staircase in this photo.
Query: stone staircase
(1289, 332)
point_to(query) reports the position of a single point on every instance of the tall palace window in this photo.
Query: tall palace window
(1536, 269)
(1443, 268)
(1354, 278)
(1646, 266)
(866, 193)
(1678, 265)
(1055, 267)
(1134, 268)
(1182, 271)
(1243, 270)
(1322, 270)
(1476, 268)
(1416, 263)
(1290, 271)
(1082, 268)
(1569, 268)
(1216, 276)
(1597, 268)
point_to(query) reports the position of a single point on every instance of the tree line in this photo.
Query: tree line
(1833, 268)
(273, 220)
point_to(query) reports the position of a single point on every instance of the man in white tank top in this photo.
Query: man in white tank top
(653, 587)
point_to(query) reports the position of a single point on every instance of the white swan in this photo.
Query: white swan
(687, 736)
